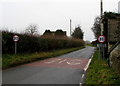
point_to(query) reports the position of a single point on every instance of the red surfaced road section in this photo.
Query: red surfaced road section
(77, 63)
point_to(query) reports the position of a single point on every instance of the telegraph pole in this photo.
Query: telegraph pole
(70, 27)
(101, 6)
(101, 14)
(101, 45)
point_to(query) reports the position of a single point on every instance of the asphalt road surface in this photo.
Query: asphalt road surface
(64, 69)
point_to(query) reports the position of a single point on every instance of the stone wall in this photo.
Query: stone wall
(115, 59)
(113, 29)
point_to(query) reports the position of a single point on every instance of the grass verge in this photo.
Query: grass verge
(14, 60)
(99, 73)
(90, 45)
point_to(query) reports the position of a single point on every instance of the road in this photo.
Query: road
(64, 69)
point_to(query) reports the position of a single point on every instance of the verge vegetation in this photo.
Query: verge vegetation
(99, 73)
(90, 45)
(14, 60)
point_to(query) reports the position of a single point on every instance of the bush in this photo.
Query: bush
(30, 44)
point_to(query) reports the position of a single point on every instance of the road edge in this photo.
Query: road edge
(85, 69)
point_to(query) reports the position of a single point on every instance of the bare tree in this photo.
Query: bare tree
(31, 29)
(96, 27)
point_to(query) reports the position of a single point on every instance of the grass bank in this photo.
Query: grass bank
(90, 45)
(14, 60)
(99, 73)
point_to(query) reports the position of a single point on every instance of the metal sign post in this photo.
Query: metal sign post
(15, 47)
(98, 46)
(15, 39)
(101, 40)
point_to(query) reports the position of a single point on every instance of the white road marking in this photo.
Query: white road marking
(80, 84)
(62, 61)
(86, 67)
(83, 75)
(69, 62)
(73, 62)
(52, 61)
(82, 79)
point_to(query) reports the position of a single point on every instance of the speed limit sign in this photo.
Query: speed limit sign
(101, 39)
(15, 38)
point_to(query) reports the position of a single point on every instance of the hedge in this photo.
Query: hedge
(29, 44)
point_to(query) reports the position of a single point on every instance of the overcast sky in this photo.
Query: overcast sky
(53, 14)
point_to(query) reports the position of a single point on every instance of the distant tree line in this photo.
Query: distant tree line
(77, 33)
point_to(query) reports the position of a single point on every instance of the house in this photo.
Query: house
(58, 32)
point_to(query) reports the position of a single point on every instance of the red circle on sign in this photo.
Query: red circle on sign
(101, 38)
(15, 38)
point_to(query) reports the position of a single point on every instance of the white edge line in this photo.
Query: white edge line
(86, 67)
(80, 84)
(83, 75)
(81, 79)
